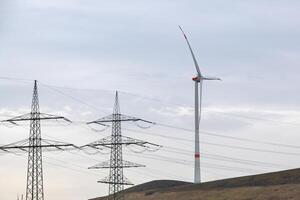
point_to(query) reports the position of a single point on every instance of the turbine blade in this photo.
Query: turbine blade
(200, 101)
(191, 50)
(212, 78)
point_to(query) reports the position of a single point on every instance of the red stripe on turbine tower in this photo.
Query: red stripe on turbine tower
(197, 155)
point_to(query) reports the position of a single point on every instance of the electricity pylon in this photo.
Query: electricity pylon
(116, 164)
(34, 146)
(18, 198)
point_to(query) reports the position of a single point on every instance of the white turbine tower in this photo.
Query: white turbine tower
(199, 78)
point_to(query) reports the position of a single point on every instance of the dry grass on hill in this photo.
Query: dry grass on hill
(283, 185)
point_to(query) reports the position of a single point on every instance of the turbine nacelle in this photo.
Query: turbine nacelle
(197, 78)
(200, 78)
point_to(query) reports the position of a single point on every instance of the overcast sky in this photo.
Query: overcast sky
(82, 51)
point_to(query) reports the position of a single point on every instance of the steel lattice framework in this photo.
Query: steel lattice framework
(116, 164)
(34, 146)
(35, 188)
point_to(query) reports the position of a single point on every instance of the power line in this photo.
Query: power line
(229, 137)
(223, 158)
(176, 104)
(65, 166)
(73, 98)
(172, 126)
(190, 163)
(55, 87)
(204, 132)
(22, 80)
(257, 118)
(220, 145)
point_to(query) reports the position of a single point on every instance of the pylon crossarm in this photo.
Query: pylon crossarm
(111, 182)
(108, 143)
(148, 124)
(99, 123)
(118, 117)
(45, 116)
(98, 147)
(143, 148)
(125, 164)
(59, 147)
(57, 143)
(108, 181)
(131, 141)
(14, 149)
(52, 145)
(9, 147)
(5, 151)
(47, 145)
(35, 116)
(97, 144)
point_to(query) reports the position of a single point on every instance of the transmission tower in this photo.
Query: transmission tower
(18, 197)
(115, 142)
(34, 146)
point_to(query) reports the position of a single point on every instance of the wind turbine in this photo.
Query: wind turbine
(198, 79)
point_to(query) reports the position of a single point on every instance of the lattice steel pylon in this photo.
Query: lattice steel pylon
(34, 146)
(35, 188)
(116, 178)
(116, 164)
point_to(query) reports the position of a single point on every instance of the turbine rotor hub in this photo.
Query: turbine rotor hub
(196, 78)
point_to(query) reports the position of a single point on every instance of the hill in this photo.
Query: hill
(284, 185)
(157, 185)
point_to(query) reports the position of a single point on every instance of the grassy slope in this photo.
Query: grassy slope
(279, 192)
(272, 186)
